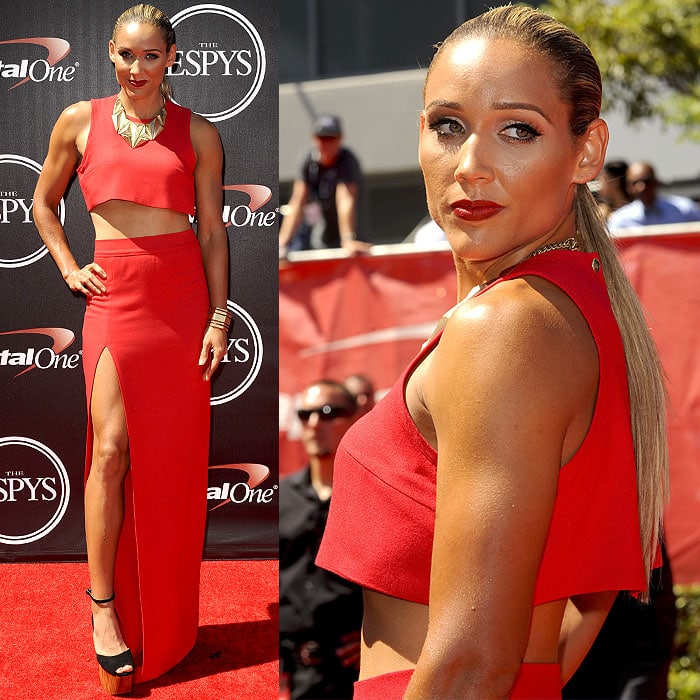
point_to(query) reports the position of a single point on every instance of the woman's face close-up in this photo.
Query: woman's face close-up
(495, 148)
(140, 58)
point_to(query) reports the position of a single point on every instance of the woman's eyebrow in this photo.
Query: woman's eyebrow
(521, 105)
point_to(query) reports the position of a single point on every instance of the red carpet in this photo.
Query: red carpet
(46, 644)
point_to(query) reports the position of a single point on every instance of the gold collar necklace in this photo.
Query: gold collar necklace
(568, 244)
(135, 133)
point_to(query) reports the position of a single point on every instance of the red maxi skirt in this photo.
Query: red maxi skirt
(152, 320)
(534, 682)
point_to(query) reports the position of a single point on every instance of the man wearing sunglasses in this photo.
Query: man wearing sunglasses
(320, 613)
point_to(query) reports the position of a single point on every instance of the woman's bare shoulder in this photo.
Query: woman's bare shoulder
(74, 119)
(206, 143)
(515, 332)
(509, 309)
(77, 112)
(521, 308)
(202, 130)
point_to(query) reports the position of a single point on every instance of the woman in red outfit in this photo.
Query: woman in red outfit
(520, 478)
(154, 333)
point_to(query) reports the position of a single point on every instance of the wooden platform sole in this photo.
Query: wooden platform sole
(116, 685)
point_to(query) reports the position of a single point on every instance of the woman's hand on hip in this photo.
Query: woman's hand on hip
(213, 351)
(87, 280)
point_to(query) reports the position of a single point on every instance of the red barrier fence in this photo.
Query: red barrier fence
(370, 314)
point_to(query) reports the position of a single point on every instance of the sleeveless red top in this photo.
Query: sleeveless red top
(159, 173)
(382, 513)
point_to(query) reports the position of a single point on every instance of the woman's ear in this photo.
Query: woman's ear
(592, 150)
(172, 55)
(112, 49)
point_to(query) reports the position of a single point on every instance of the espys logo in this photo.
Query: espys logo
(25, 354)
(242, 360)
(38, 70)
(247, 215)
(34, 490)
(219, 44)
(230, 488)
(20, 242)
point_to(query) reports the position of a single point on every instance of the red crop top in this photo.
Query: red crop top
(382, 514)
(159, 173)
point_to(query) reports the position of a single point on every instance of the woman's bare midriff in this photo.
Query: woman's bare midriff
(118, 218)
(394, 630)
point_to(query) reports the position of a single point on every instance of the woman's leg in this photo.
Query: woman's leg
(104, 501)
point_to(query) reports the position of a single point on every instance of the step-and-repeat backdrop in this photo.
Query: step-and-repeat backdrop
(370, 315)
(54, 53)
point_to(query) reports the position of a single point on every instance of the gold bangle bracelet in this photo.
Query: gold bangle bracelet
(220, 318)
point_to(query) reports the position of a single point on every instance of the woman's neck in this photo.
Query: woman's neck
(144, 109)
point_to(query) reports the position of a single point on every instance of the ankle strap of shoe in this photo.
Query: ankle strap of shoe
(97, 600)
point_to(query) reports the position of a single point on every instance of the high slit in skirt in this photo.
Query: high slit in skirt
(151, 320)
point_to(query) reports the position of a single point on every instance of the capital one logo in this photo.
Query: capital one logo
(38, 70)
(34, 490)
(21, 352)
(243, 358)
(226, 485)
(220, 64)
(249, 215)
(20, 244)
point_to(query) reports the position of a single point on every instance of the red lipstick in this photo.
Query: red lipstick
(475, 210)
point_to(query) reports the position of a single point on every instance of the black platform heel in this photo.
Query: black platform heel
(114, 683)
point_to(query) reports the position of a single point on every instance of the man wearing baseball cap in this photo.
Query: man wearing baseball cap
(323, 209)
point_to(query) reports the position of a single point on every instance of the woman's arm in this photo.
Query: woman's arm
(59, 166)
(583, 619)
(211, 232)
(503, 387)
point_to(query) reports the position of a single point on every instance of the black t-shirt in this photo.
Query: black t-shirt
(322, 182)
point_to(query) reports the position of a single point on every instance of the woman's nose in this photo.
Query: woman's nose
(472, 161)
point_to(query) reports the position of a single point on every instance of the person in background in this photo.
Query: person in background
(648, 207)
(320, 613)
(363, 391)
(514, 478)
(612, 187)
(323, 209)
